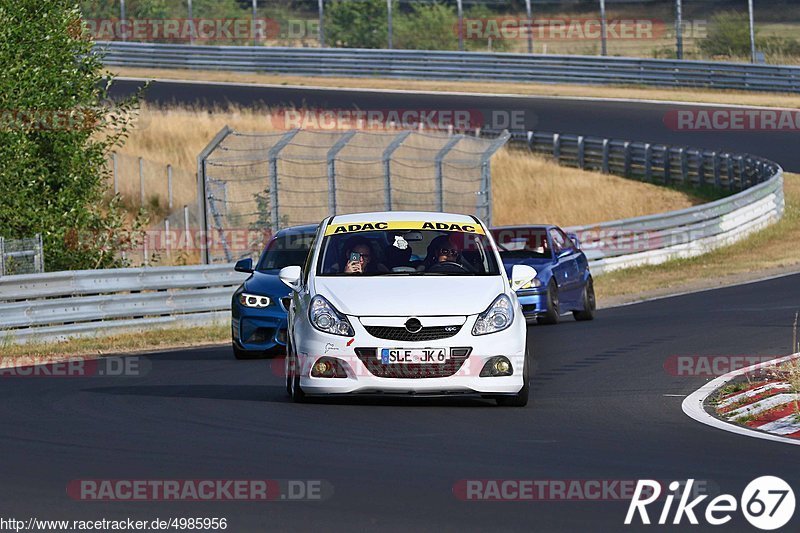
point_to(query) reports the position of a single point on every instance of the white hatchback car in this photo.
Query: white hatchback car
(406, 303)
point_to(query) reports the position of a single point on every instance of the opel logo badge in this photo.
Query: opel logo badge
(413, 325)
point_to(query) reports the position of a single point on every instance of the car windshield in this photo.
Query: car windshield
(522, 243)
(407, 248)
(285, 250)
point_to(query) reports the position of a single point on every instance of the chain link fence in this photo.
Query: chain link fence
(21, 256)
(255, 183)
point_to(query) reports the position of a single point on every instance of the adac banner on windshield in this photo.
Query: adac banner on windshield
(400, 225)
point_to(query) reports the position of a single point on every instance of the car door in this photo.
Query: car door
(566, 265)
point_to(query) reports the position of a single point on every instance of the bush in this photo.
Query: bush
(357, 24)
(728, 35)
(55, 137)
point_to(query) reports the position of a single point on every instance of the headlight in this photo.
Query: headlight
(325, 317)
(532, 285)
(497, 317)
(254, 300)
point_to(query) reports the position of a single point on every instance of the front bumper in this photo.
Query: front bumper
(533, 302)
(461, 377)
(259, 330)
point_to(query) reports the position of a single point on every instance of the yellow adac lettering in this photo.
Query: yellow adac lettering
(468, 229)
(354, 227)
(340, 229)
(382, 225)
(428, 225)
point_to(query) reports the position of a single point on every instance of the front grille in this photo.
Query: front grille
(430, 333)
(369, 356)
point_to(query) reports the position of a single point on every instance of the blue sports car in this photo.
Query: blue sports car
(259, 306)
(563, 282)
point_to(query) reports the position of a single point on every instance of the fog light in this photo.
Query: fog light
(322, 367)
(328, 367)
(501, 366)
(497, 366)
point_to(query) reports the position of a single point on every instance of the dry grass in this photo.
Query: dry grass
(530, 189)
(527, 188)
(770, 251)
(483, 86)
(122, 343)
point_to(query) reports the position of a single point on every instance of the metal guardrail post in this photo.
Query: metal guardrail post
(684, 165)
(273, 177)
(730, 171)
(717, 170)
(486, 175)
(387, 167)
(202, 198)
(581, 152)
(438, 162)
(648, 162)
(742, 173)
(557, 146)
(2, 256)
(38, 258)
(627, 167)
(332, 153)
(667, 165)
(701, 174)
(531, 140)
(606, 155)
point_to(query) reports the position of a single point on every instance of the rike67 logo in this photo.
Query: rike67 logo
(767, 503)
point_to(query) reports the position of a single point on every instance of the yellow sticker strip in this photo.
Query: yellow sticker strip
(339, 229)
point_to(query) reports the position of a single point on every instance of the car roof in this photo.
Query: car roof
(307, 229)
(386, 216)
(523, 226)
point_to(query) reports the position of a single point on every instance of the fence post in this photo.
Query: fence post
(531, 140)
(439, 170)
(627, 168)
(202, 198)
(38, 257)
(167, 238)
(169, 187)
(742, 176)
(730, 170)
(557, 147)
(648, 162)
(2, 256)
(141, 179)
(581, 152)
(667, 165)
(717, 170)
(273, 177)
(486, 175)
(387, 167)
(115, 173)
(186, 233)
(332, 153)
(606, 155)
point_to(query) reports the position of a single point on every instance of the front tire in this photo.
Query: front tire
(589, 302)
(521, 398)
(552, 314)
(293, 380)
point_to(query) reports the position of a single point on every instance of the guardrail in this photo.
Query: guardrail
(48, 307)
(445, 65)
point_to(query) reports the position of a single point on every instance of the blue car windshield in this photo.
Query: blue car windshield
(522, 243)
(285, 250)
(408, 251)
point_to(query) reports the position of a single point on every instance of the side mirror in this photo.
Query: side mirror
(244, 265)
(291, 276)
(522, 277)
(575, 240)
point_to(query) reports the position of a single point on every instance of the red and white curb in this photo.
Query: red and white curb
(774, 397)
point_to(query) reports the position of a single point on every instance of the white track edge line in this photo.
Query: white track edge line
(692, 406)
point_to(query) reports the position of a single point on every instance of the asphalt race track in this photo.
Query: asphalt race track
(637, 121)
(604, 408)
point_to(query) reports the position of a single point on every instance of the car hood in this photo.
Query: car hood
(410, 295)
(537, 263)
(266, 284)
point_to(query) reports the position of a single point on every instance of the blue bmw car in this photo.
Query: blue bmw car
(259, 306)
(563, 282)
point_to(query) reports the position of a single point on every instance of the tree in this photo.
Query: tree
(358, 24)
(56, 132)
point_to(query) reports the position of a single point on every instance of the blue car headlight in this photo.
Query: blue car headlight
(497, 317)
(254, 300)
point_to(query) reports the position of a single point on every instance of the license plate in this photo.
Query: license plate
(392, 356)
